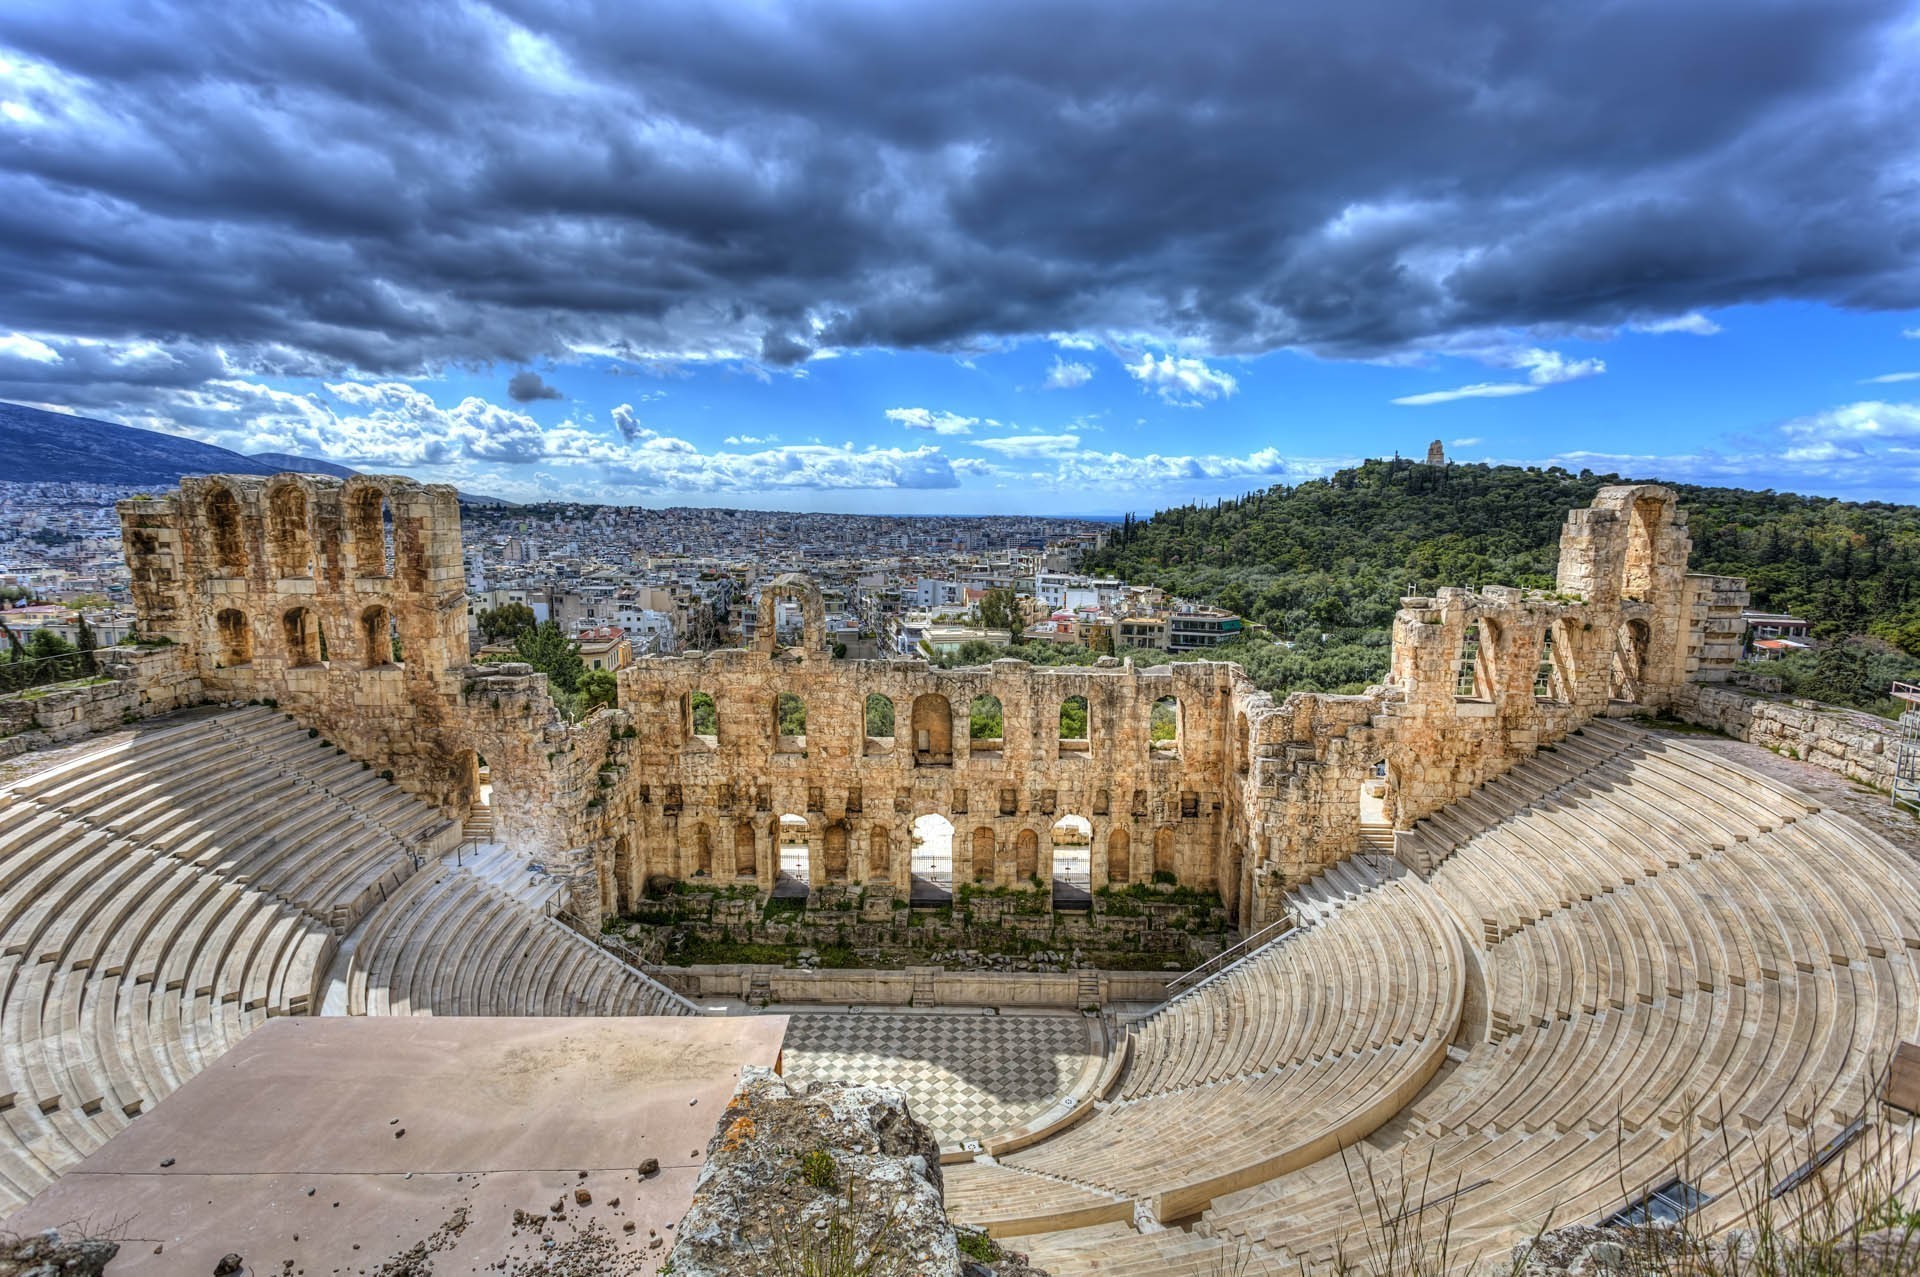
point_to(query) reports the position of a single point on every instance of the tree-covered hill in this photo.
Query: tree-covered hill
(1333, 557)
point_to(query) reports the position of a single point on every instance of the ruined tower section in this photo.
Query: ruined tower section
(1482, 679)
(342, 602)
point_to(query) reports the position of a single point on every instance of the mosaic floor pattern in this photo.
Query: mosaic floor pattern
(966, 1075)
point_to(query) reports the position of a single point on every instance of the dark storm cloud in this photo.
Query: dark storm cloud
(390, 188)
(527, 385)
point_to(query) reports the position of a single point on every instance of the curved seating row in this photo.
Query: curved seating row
(1273, 1079)
(448, 943)
(1686, 965)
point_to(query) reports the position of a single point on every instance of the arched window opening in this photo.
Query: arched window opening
(370, 531)
(288, 539)
(1119, 857)
(983, 854)
(1074, 736)
(1549, 682)
(932, 731)
(879, 724)
(789, 724)
(229, 544)
(1163, 728)
(306, 645)
(1026, 856)
(236, 637)
(1637, 568)
(376, 636)
(794, 853)
(622, 877)
(1630, 660)
(746, 860)
(702, 718)
(1473, 674)
(986, 725)
(1163, 856)
(833, 852)
(1072, 856)
(930, 859)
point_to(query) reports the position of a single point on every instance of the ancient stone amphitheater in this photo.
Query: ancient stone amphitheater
(1514, 952)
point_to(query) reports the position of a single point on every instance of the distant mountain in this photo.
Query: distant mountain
(303, 465)
(56, 447)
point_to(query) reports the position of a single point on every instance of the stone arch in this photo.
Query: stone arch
(1550, 678)
(236, 637)
(1026, 855)
(1470, 672)
(1163, 851)
(369, 528)
(932, 730)
(746, 858)
(226, 532)
(1119, 857)
(1631, 641)
(986, 724)
(792, 848)
(289, 536)
(813, 613)
(983, 853)
(306, 645)
(1076, 725)
(376, 635)
(833, 852)
(1647, 517)
(789, 724)
(1163, 728)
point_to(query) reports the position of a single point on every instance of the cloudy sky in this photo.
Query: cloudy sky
(979, 255)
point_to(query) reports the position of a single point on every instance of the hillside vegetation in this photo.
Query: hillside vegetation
(1324, 564)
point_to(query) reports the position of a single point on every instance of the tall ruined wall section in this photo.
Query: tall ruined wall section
(1482, 679)
(343, 602)
(692, 804)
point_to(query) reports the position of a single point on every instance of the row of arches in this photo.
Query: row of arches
(931, 725)
(1478, 674)
(288, 534)
(304, 639)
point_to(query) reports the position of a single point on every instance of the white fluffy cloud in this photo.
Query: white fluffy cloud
(940, 423)
(1543, 368)
(31, 349)
(1060, 445)
(628, 423)
(1065, 376)
(1692, 322)
(1181, 381)
(1891, 378)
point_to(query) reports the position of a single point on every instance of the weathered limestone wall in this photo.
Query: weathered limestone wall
(297, 588)
(1861, 747)
(938, 987)
(288, 589)
(142, 682)
(691, 804)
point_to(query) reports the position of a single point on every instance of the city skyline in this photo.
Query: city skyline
(837, 257)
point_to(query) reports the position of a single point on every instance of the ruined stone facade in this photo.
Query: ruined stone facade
(343, 603)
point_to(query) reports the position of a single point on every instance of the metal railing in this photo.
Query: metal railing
(1231, 954)
(24, 674)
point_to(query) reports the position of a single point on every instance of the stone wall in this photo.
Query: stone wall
(1861, 747)
(914, 986)
(289, 589)
(139, 683)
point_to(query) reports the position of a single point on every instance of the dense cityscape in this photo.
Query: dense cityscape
(625, 582)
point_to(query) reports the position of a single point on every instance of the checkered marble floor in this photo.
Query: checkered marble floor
(967, 1075)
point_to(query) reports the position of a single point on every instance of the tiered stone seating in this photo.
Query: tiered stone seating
(1686, 965)
(126, 968)
(450, 943)
(1303, 1047)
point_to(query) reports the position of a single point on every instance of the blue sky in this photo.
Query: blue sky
(976, 256)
